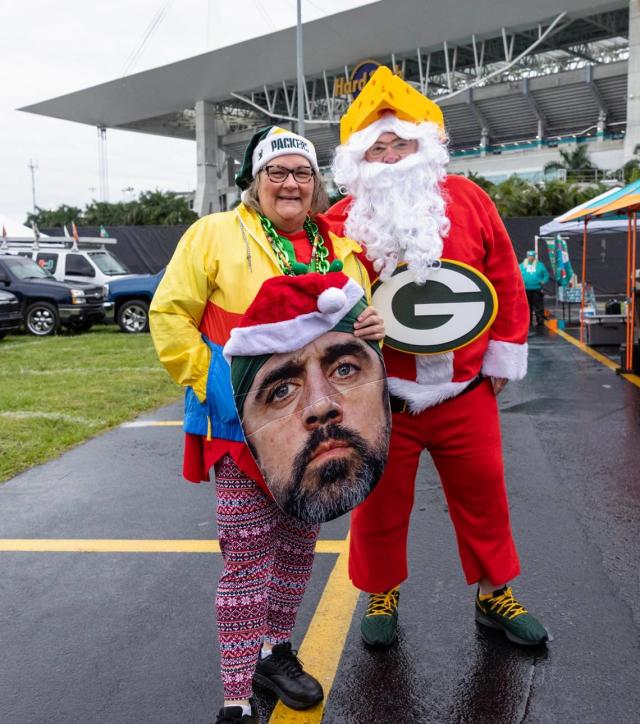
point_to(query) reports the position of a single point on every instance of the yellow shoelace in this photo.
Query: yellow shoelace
(505, 604)
(383, 604)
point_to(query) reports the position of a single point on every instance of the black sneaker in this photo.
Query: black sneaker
(234, 715)
(282, 673)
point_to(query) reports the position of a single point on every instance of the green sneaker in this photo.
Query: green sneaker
(501, 610)
(378, 625)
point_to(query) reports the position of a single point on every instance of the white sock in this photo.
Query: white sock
(244, 703)
(266, 649)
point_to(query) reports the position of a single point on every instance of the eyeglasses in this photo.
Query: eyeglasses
(279, 174)
(400, 146)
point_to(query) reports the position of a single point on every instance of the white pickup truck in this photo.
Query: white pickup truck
(85, 260)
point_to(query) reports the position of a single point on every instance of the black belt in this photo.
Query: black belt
(400, 405)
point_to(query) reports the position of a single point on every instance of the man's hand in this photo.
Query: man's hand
(369, 325)
(498, 384)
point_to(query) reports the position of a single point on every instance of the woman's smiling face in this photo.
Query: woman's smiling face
(286, 203)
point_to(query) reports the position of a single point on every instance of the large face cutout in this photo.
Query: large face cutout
(317, 421)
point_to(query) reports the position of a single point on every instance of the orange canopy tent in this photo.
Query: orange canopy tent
(617, 201)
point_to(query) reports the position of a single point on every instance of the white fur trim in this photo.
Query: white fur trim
(505, 359)
(420, 397)
(433, 369)
(290, 334)
(331, 300)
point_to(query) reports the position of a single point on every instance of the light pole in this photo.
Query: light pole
(300, 66)
(32, 167)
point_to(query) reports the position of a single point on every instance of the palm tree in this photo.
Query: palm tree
(573, 162)
(516, 197)
(631, 169)
(556, 197)
(481, 181)
(49, 218)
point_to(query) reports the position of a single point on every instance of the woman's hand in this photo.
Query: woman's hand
(369, 325)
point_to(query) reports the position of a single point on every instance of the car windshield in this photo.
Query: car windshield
(108, 263)
(26, 268)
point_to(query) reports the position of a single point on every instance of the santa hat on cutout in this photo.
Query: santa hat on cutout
(291, 311)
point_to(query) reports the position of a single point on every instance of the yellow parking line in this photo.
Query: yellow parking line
(327, 632)
(109, 545)
(153, 423)
(634, 379)
(324, 641)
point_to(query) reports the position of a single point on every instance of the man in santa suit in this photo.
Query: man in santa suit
(403, 207)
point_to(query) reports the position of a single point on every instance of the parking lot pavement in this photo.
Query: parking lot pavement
(129, 636)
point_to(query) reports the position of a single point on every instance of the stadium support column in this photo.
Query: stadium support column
(537, 112)
(632, 138)
(208, 189)
(485, 129)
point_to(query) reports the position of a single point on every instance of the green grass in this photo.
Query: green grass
(58, 391)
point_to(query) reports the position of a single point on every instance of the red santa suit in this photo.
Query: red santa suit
(451, 411)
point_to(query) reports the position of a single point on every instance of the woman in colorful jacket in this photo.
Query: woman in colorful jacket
(217, 269)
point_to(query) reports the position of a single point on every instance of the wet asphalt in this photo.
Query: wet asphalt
(130, 637)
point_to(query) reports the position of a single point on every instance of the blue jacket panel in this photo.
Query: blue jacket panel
(219, 409)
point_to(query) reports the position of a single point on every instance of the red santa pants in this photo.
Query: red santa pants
(463, 437)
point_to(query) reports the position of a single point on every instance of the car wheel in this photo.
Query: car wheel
(133, 317)
(42, 319)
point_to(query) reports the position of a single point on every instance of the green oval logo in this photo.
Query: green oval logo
(449, 311)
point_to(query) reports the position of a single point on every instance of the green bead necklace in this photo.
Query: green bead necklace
(286, 255)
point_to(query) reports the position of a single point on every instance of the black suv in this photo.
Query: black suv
(46, 303)
(10, 314)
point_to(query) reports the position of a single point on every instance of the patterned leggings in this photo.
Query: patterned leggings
(268, 557)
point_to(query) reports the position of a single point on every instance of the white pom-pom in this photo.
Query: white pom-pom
(331, 300)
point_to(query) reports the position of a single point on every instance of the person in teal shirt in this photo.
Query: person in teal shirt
(535, 276)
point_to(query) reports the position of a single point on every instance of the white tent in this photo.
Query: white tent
(16, 229)
(575, 228)
(556, 226)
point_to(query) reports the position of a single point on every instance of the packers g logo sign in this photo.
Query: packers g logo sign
(455, 306)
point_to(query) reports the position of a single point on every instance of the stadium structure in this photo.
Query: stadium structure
(517, 80)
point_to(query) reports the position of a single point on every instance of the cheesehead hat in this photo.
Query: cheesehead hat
(387, 92)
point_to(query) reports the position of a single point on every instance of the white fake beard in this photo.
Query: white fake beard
(398, 213)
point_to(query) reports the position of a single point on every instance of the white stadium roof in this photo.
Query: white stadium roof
(379, 29)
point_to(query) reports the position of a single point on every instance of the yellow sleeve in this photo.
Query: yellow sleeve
(367, 282)
(355, 269)
(178, 306)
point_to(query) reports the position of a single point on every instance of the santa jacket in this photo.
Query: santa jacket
(216, 271)
(478, 238)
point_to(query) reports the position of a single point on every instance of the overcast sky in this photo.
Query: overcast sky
(48, 49)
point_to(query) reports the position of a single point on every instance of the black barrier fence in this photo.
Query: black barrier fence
(142, 249)
(147, 249)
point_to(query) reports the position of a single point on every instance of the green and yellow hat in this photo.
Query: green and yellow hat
(269, 143)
